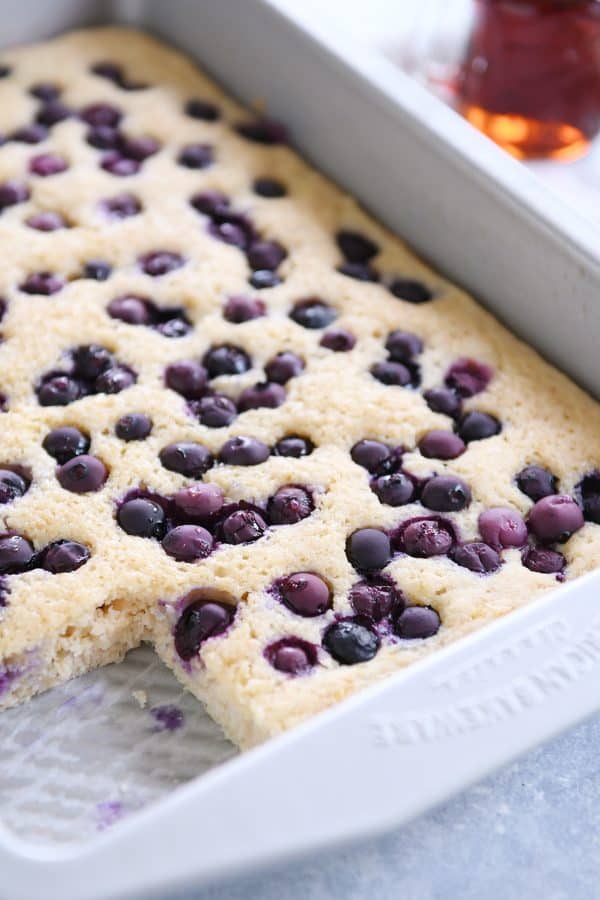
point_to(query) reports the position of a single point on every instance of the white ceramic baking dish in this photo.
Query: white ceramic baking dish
(389, 753)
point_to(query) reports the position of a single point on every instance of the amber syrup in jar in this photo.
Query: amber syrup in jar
(531, 76)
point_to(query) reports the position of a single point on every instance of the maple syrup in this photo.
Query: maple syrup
(531, 76)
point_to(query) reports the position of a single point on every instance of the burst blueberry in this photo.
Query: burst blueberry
(468, 376)
(375, 599)
(92, 359)
(476, 556)
(289, 504)
(501, 528)
(64, 556)
(543, 560)
(243, 526)
(12, 485)
(114, 380)
(425, 537)
(201, 620)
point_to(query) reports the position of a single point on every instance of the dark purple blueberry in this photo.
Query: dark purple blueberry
(229, 233)
(476, 426)
(59, 390)
(110, 71)
(396, 489)
(122, 206)
(440, 444)
(293, 445)
(97, 270)
(160, 262)
(215, 411)
(104, 137)
(3, 307)
(288, 505)
(187, 458)
(114, 380)
(196, 156)
(46, 221)
(45, 283)
(446, 493)
(30, 134)
(243, 451)
(340, 340)
(263, 131)
(202, 109)
(403, 346)
(187, 543)
(16, 553)
(543, 561)
(210, 203)
(355, 246)
(12, 486)
(264, 278)
(368, 549)
(359, 271)
(142, 517)
(176, 327)
(52, 113)
(139, 148)
(292, 655)
(64, 556)
(306, 594)
(45, 91)
(502, 528)
(65, 442)
(536, 482)
(374, 456)
(265, 255)
(226, 359)
(423, 538)
(82, 474)
(199, 621)
(101, 114)
(417, 622)
(133, 427)
(269, 188)
(283, 366)
(243, 526)
(588, 492)
(264, 395)
(313, 313)
(46, 164)
(375, 599)
(187, 377)
(350, 642)
(554, 519)
(116, 164)
(199, 501)
(476, 556)
(240, 309)
(131, 309)
(4, 70)
(468, 376)
(411, 291)
(443, 400)
(92, 359)
(389, 372)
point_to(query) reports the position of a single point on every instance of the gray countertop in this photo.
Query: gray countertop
(532, 829)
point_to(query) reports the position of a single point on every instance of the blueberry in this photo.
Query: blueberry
(200, 621)
(555, 518)
(114, 380)
(269, 187)
(543, 561)
(210, 203)
(178, 325)
(115, 163)
(355, 246)
(138, 148)
(4, 70)
(390, 373)
(313, 313)
(65, 442)
(215, 411)
(240, 309)
(306, 594)
(12, 485)
(46, 221)
(97, 270)
(44, 283)
(199, 501)
(411, 291)
(374, 456)
(283, 366)
(226, 359)
(536, 482)
(294, 446)
(64, 556)
(133, 427)
(92, 359)
(30, 134)
(375, 599)
(186, 458)
(439, 444)
(122, 206)
(349, 642)
(229, 233)
(468, 376)
(426, 537)
(265, 255)
(82, 474)
(289, 504)
(160, 262)
(263, 131)
(196, 156)
(243, 451)
(105, 137)
(264, 278)
(59, 390)
(395, 489)
(243, 526)
(475, 426)
(292, 655)
(501, 528)
(131, 309)
(443, 400)
(47, 164)
(45, 91)
(53, 112)
(264, 395)
(187, 378)
(418, 622)
(101, 114)
(446, 493)
(403, 346)
(16, 554)
(588, 492)
(359, 271)
(368, 549)
(142, 517)
(202, 109)
(187, 543)
(476, 556)
(340, 340)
